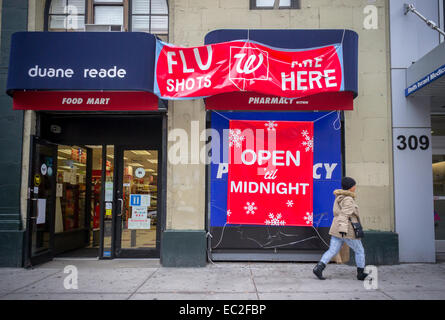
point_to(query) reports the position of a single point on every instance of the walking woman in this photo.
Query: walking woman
(345, 211)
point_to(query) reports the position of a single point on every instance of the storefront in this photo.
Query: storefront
(425, 81)
(98, 156)
(96, 178)
(266, 206)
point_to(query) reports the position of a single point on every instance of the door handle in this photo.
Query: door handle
(122, 207)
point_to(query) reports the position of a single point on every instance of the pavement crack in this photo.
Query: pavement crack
(145, 281)
(254, 284)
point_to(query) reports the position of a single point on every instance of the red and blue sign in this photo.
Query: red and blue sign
(237, 207)
(246, 66)
(270, 173)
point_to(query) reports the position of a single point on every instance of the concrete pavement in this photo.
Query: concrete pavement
(147, 279)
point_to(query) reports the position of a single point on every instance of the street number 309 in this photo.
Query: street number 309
(413, 142)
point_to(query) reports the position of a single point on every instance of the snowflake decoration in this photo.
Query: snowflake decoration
(250, 208)
(308, 142)
(309, 218)
(271, 125)
(290, 203)
(275, 220)
(235, 138)
(229, 213)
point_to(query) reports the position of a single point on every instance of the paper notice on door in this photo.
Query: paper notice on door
(138, 223)
(41, 211)
(108, 191)
(139, 213)
(59, 190)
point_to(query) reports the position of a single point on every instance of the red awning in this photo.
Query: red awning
(258, 101)
(85, 100)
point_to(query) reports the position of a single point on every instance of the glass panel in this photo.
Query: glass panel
(76, 7)
(58, 6)
(43, 204)
(140, 194)
(159, 24)
(439, 196)
(75, 22)
(159, 7)
(96, 192)
(57, 22)
(109, 15)
(71, 188)
(108, 200)
(285, 3)
(265, 3)
(141, 7)
(141, 23)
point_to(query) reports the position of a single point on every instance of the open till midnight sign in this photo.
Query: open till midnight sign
(270, 173)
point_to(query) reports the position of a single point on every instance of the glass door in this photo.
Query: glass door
(41, 202)
(136, 202)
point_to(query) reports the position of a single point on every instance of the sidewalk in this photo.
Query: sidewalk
(146, 279)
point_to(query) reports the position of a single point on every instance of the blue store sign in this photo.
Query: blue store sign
(88, 61)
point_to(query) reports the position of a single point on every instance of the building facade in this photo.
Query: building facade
(103, 144)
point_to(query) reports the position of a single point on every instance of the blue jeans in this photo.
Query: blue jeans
(335, 246)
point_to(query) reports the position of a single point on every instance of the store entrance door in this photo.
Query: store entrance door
(136, 202)
(41, 202)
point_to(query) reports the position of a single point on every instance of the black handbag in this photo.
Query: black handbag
(358, 230)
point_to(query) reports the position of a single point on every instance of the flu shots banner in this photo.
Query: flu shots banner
(235, 66)
(270, 173)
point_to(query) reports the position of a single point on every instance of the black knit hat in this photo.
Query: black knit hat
(347, 183)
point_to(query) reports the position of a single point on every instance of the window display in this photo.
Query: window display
(71, 180)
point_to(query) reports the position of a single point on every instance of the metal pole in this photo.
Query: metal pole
(430, 23)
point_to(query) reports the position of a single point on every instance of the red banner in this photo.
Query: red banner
(270, 178)
(84, 100)
(258, 101)
(246, 66)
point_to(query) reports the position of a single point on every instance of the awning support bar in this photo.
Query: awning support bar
(430, 23)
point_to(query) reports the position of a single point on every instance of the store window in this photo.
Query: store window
(131, 15)
(438, 144)
(71, 188)
(275, 4)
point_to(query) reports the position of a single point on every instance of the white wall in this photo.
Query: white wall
(410, 39)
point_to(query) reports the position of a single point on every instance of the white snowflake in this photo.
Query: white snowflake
(250, 208)
(235, 138)
(229, 213)
(308, 142)
(275, 220)
(271, 125)
(289, 203)
(309, 218)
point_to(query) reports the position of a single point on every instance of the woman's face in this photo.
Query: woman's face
(352, 189)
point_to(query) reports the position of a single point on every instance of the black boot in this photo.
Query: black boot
(318, 270)
(361, 275)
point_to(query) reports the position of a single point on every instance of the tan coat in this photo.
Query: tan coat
(344, 208)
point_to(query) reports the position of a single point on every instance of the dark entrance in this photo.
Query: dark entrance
(96, 168)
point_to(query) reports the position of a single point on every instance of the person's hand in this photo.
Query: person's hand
(343, 234)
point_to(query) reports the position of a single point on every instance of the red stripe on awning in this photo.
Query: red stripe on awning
(262, 102)
(85, 101)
